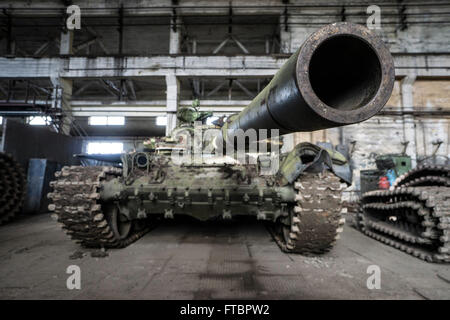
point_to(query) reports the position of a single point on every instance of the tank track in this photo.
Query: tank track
(413, 219)
(75, 201)
(12, 187)
(425, 175)
(315, 221)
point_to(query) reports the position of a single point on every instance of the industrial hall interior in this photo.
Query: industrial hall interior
(228, 149)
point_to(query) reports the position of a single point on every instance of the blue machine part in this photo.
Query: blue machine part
(391, 176)
(40, 173)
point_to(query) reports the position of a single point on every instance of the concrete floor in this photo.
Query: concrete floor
(192, 260)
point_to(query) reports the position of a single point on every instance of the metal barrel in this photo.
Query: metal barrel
(342, 74)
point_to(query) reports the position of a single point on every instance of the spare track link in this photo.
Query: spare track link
(76, 204)
(428, 238)
(12, 187)
(425, 175)
(315, 220)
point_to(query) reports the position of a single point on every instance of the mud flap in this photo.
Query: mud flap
(309, 158)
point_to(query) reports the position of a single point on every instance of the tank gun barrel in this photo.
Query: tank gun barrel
(342, 74)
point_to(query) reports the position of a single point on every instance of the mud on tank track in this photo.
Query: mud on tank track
(315, 221)
(77, 207)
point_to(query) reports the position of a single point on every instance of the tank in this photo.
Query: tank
(343, 74)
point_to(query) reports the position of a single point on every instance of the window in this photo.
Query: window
(161, 121)
(104, 147)
(1, 120)
(98, 121)
(39, 121)
(106, 121)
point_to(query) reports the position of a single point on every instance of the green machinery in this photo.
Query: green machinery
(388, 165)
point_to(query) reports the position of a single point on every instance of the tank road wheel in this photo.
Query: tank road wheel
(12, 187)
(88, 221)
(120, 225)
(314, 223)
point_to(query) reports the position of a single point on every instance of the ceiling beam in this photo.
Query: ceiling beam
(83, 88)
(106, 86)
(243, 88)
(421, 65)
(131, 86)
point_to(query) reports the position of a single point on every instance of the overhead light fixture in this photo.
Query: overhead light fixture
(106, 121)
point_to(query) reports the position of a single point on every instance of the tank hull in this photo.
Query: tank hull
(201, 191)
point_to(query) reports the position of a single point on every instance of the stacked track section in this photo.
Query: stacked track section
(12, 187)
(425, 175)
(414, 216)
